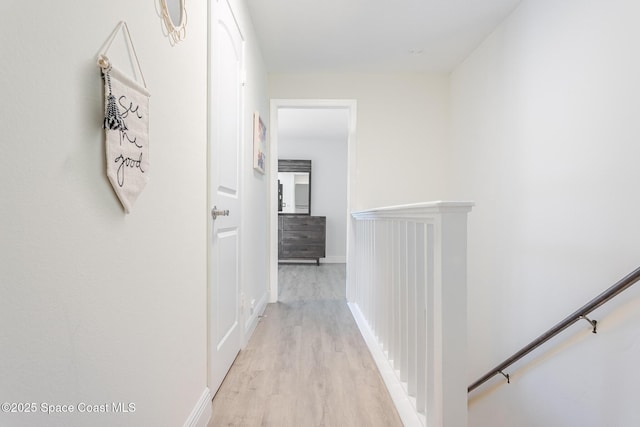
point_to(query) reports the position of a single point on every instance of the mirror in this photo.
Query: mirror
(294, 187)
(293, 192)
(174, 16)
(175, 12)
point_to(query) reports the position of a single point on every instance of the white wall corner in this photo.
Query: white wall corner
(252, 322)
(202, 412)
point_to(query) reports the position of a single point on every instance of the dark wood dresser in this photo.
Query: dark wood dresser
(301, 237)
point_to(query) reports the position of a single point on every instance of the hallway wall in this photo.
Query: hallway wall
(97, 306)
(255, 185)
(402, 129)
(545, 135)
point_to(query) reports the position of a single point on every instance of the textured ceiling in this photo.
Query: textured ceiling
(372, 35)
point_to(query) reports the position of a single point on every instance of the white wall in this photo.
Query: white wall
(544, 139)
(328, 186)
(255, 186)
(401, 130)
(97, 306)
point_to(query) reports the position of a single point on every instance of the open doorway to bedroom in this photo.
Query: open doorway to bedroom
(322, 131)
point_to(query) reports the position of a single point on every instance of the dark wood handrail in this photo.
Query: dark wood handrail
(579, 314)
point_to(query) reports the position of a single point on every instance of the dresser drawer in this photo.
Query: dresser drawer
(304, 223)
(306, 236)
(294, 251)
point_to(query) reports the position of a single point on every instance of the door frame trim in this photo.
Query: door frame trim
(276, 104)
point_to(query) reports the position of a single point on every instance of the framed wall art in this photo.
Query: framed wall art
(259, 144)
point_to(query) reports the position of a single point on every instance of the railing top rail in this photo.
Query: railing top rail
(579, 314)
(416, 208)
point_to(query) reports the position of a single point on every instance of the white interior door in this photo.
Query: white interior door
(225, 137)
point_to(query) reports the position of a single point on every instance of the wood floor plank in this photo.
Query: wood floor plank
(306, 363)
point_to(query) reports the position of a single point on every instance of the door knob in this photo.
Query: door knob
(215, 212)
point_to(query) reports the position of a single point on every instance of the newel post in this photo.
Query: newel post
(447, 335)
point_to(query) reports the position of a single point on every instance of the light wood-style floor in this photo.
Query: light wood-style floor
(306, 364)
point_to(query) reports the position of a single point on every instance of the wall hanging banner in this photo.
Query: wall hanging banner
(126, 125)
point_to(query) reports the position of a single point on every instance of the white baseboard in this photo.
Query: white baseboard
(201, 413)
(406, 410)
(252, 321)
(333, 260)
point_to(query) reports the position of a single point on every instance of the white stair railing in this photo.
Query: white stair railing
(407, 292)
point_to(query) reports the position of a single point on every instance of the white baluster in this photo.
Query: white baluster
(383, 294)
(402, 308)
(421, 313)
(396, 297)
(412, 335)
(431, 370)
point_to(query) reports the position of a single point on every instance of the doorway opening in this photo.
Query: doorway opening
(292, 116)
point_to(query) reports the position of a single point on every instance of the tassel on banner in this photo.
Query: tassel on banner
(113, 118)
